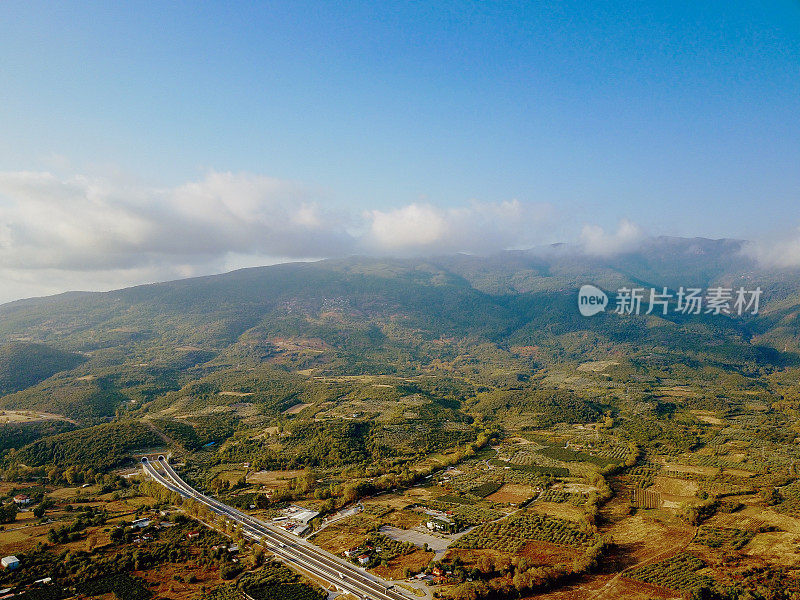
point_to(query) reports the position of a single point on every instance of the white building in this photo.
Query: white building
(10, 562)
(140, 523)
(300, 514)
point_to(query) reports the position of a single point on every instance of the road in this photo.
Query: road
(286, 546)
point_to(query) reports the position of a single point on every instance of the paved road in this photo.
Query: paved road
(288, 547)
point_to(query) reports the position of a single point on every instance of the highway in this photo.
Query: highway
(286, 546)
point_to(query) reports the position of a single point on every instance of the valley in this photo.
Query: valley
(452, 426)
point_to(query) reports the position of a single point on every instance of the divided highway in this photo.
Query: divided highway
(286, 546)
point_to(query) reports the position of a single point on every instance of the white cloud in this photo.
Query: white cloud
(627, 238)
(412, 226)
(782, 251)
(83, 223)
(478, 227)
(80, 232)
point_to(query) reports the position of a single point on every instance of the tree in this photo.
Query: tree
(8, 513)
(485, 564)
(470, 591)
(229, 570)
(117, 534)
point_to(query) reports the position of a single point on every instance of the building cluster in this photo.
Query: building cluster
(143, 523)
(441, 521)
(11, 562)
(295, 519)
(363, 554)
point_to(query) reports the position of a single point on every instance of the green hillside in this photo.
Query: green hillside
(23, 365)
(405, 348)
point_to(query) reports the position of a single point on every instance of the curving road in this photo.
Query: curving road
(286, 546)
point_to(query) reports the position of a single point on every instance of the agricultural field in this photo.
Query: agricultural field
(560, 510)
(718, 537)
(643, 475)
(347, 533)
(682, 572)
(108, 555)
(789, 499)
(779, 547)
(273, 581)
(468, 514)
(486, 489)
(513, 493)
(560, 495)
(122, 586)
(509, 535)
(646, 498)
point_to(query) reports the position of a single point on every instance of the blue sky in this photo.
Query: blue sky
(676, 117)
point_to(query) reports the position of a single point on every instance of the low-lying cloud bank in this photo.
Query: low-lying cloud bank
(778, 252)
(627, 238)
(86, 223)
(82, 232)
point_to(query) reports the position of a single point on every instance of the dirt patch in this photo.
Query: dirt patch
(560, 510)
(293, 410)
(762, 516)
(678, 392)
(231, 475)
(296, 344)
(579, 488)
(548, 554)
(597, 366)
(236, 394)
(710, 420)
(739, 473)
(29, 416)
(695, 469)
(403, 519)
(525, 350)
(512, 493)
(646, 536)
(336, 541)
(69, 493)
(345, 534)
(709, 417)
(394, 501)
(273, 479)
(164, 584)
(414, 562)
(636, 590)
(20, 537)
(422, 494)
(672, 486)
(524, 442)
(776, 547)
